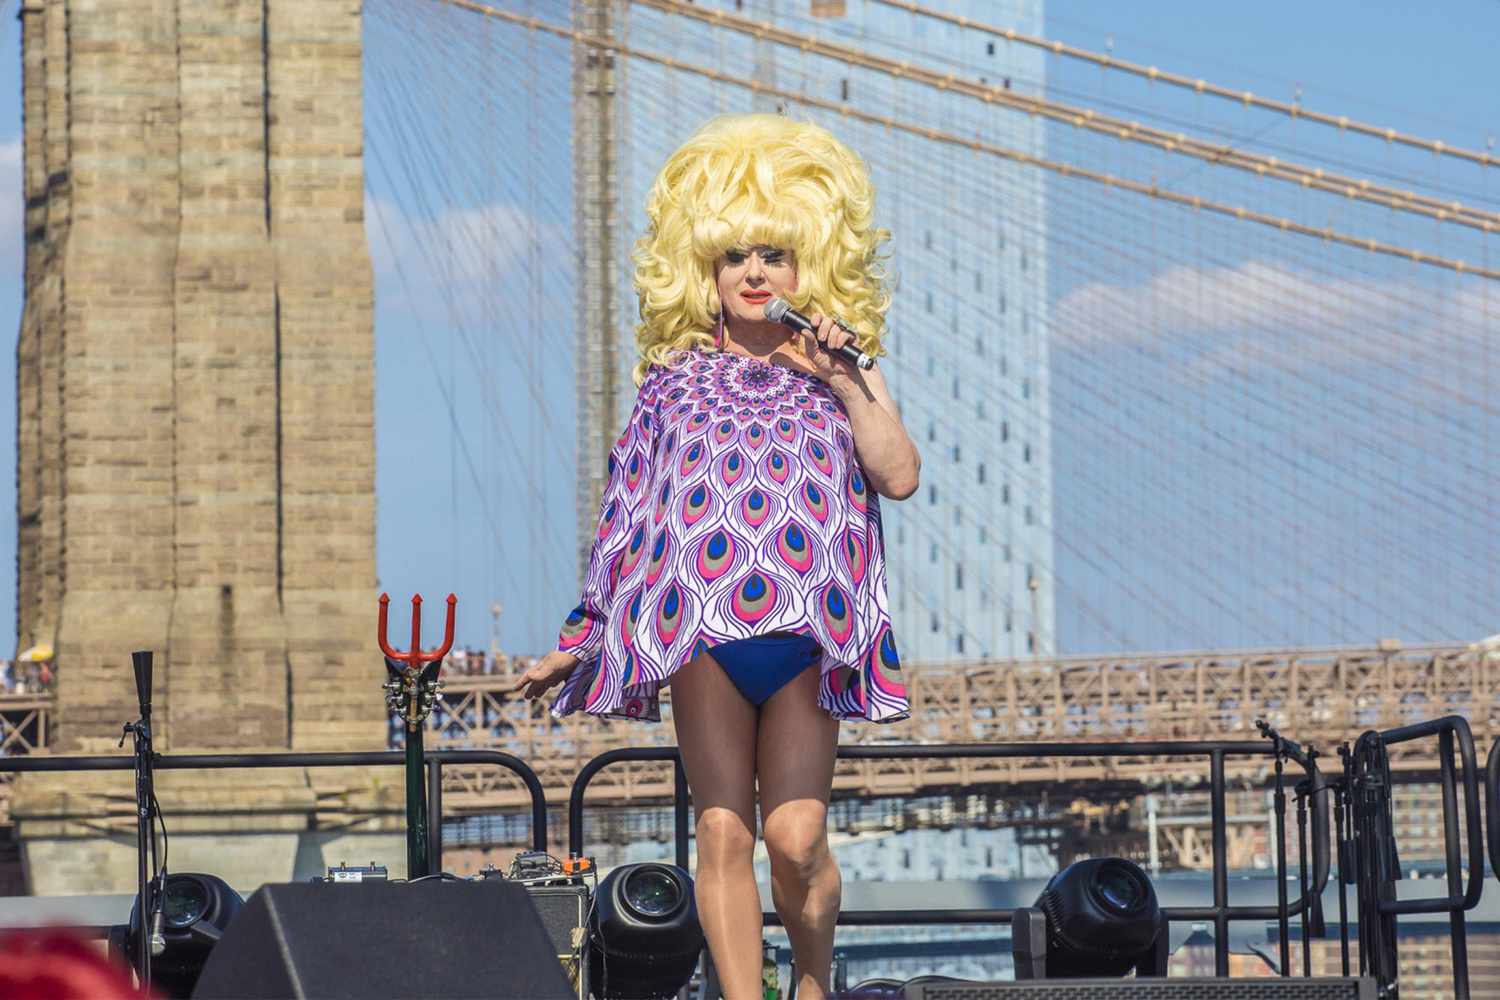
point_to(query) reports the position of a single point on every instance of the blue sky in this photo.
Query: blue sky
(1427, 70)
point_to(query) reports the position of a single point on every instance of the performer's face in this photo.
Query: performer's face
(749, 277)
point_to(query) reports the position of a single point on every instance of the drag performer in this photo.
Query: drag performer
(739, 555)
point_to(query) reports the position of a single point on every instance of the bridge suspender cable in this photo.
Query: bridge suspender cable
(1086, 118)
(1200, 86)
(1282, 223)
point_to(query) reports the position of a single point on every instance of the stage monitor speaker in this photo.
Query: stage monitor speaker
(1189, 988)
(433, 938)
(564, 910)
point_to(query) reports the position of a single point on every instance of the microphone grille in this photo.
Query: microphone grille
(775, 309)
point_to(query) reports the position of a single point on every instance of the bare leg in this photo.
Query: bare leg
(794, 765)
(716, 734)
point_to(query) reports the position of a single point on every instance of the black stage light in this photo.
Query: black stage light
(195, 909)
(645, 932)
(1102, 918)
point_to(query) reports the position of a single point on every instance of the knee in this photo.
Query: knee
(797, 841)
(723, 837)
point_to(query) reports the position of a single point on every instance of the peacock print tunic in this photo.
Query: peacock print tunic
(735, 507)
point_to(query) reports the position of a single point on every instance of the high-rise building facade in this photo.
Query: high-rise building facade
(969, 557)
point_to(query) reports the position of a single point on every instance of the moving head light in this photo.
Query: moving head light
(1102, 918)
(195, 911)
(645, 932)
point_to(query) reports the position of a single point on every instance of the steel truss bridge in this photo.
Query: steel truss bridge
(1317, 696)
(1320, 697)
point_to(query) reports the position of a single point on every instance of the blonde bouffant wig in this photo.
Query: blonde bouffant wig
(748, 180)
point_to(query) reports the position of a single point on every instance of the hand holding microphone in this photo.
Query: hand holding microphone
(778, 311)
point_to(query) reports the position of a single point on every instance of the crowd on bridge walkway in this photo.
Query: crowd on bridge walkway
(22, 676)
(25, 677)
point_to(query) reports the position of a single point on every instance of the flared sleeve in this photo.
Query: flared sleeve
(623, 509)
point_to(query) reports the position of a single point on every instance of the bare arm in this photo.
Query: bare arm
(886, 452)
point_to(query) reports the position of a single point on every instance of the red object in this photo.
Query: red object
(59, 965)
(414, 657)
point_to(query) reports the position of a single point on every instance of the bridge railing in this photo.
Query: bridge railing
(1334, 692)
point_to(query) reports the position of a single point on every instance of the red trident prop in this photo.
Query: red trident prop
(415, 700)
(410, 692)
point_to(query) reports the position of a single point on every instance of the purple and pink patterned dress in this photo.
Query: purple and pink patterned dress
(735, 507)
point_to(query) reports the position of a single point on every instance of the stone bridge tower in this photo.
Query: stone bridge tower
(195, 386)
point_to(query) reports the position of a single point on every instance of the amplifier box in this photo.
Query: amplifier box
(564, 910)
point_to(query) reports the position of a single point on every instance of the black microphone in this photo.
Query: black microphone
(778, 311)
(158, 940)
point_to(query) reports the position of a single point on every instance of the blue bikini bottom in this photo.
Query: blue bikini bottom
(764, 664)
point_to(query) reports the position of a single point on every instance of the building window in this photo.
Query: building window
(1005, 430)
(958, 577)
(931, 431)
(932, 495)
(959, 641)
(989, 48)
(1005, 493)
(957, 455)
(844, 89)
(981, 472)
(1026, 453)
(934, 621)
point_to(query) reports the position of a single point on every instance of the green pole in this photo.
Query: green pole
(416, 806)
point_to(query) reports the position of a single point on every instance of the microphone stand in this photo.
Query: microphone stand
(145, 810)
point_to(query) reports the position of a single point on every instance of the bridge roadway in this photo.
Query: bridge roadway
(1317, 696)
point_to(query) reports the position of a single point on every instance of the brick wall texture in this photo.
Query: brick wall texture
(195, 460)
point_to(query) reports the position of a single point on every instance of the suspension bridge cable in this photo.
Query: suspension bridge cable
(1199, 86)
(1327, 233)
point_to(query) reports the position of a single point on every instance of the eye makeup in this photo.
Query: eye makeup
(769, 256)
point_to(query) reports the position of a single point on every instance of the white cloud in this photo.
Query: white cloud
(462, 256)
(12, 209)
(1238, 321)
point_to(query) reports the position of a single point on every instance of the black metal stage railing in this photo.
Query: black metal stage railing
(433, 759)
(1221, 913)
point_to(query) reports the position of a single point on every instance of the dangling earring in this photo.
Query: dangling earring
(719, 335)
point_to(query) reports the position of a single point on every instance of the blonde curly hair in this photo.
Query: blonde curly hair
(758, 179)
